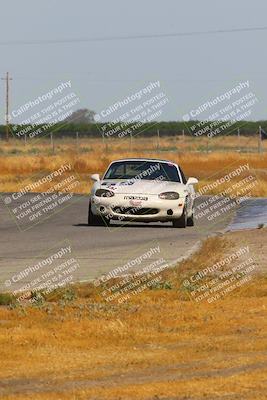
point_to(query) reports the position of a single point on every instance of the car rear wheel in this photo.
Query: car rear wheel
(190, 220)
(95, 220)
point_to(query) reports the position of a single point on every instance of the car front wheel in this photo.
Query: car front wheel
(94, 220)
(181, 222)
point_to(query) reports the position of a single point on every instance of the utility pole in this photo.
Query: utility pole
(131, 141)
(77, 142)
(52, 142)
(158, 144)
(238, 135)
(259, 141)
(7, 79)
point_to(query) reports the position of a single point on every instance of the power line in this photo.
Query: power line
(129, 37)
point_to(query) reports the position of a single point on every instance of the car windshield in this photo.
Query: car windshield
(140, 169)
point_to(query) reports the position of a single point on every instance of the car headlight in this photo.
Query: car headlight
(169, 195)
(104, 193)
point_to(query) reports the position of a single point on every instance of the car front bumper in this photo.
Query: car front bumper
(121, 207)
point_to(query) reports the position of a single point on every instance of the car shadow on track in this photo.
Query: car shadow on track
(130, 225)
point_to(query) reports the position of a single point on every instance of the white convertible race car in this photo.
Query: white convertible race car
(145, 190)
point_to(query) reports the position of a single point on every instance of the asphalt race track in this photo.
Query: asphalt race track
(100, 249)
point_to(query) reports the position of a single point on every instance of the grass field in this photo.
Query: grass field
(206, 159)
(161, 344)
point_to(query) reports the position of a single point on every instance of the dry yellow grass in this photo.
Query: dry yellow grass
(159, 345)
(19, 163)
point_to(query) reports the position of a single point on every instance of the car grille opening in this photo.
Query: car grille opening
(135, 211)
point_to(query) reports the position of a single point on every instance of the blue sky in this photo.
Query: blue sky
(191, 69)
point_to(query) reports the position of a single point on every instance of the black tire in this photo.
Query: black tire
(94, 220)
(190, 221)
(181, 222)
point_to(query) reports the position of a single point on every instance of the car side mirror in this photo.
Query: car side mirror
(95, 177)
(192, 181)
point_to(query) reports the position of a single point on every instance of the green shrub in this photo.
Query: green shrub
(7, 299)
(15, 151)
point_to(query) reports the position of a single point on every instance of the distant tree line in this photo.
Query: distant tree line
(172, 128)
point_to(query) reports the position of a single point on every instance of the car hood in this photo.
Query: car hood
(141, 186)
